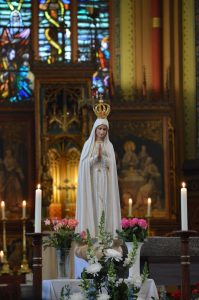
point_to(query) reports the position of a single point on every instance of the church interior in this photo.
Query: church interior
(59, 58)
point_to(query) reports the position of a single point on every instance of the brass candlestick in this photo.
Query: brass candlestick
(5, 266)
(24, 264)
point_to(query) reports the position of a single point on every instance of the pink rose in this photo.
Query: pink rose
(57, 227)
(133, 222)
(83, 234)
(125, 223)
(55, 221)
(64, 222)
(72, 223)
(142, 223)
(47, 222)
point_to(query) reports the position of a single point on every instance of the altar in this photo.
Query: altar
(51, 289)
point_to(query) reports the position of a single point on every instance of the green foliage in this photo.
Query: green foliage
(59, 240)
(65, 292)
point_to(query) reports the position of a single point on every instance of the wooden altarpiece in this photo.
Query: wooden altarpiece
(144, 143)
(63, 104)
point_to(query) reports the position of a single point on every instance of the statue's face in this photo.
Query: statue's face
(101, 132)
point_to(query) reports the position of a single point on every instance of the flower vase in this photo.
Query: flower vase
(134, 270)
(62, 263)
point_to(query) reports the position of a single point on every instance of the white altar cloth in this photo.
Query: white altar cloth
(51, 289)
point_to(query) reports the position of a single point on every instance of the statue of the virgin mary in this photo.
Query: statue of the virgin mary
(97, 179)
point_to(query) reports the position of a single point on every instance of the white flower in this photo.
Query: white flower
(127, 262)
(135, 280)
(93, 268)
(77, 296)
(103, 297)
(113, 254)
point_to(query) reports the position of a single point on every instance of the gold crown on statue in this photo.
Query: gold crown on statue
(101, 109)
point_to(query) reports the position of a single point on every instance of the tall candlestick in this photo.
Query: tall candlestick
(184, 221)
(148, 207)
(23, 209)
(130, 206)
(38, 194)
(2, 210)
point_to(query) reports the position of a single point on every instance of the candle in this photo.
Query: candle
(130, 206)
(1, 256)
(2, 210)
(23, 209)
(184, 222)
(38, 194)
(148, 207)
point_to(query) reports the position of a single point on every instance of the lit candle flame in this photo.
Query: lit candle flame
(183, 184)
(38, 186)
(149, 200)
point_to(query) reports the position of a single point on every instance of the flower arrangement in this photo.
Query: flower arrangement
(105, 277)
(62, 233)
(133, 227)
(176, 295)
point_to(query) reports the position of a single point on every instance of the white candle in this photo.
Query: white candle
(184, 222)
(148, 207)
(38, 194)
(1, 256)
(23, 209)
(2, 210)
(130, 206)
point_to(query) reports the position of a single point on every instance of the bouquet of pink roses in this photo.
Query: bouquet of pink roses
(133, 226)
(62, 233)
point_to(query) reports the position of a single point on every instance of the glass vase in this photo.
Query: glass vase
(63, 262)
(134, 270)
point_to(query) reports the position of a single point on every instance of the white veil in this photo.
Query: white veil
(84, 207)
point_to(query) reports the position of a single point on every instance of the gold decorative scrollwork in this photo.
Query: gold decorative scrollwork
(53, 21)
(12, 7)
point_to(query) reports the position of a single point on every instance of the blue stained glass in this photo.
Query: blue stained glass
(54, 31)
(93, 41)
(16, 79)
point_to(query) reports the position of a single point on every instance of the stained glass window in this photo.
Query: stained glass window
(54, 31)
(16, 79)
(64, 27)
(57, 31)
(93, 41)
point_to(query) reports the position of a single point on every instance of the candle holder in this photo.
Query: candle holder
(37, 263)
(24, 264)
(5, 266)
(185, 263)
(149, 225)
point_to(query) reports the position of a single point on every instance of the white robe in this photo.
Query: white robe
(98, 186)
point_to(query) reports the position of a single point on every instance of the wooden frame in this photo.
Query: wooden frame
(153, 175)
(17, 162)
